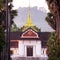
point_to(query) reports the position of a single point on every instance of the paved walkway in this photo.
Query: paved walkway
(29, 58)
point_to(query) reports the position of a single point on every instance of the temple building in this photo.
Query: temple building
(29, 41)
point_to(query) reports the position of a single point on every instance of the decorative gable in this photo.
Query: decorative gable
(29, 34)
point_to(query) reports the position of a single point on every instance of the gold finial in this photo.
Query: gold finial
(29, 22)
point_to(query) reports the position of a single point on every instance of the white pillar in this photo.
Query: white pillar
(34, 51)
(21, 48)
(38, 49)
(25, 51)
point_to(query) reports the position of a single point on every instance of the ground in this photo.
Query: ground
(29, 58)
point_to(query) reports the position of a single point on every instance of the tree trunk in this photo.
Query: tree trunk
(58, 28)
(0, 55)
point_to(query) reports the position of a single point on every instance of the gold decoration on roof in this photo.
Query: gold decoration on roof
(29, 22)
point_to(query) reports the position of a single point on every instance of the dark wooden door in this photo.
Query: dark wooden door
(29, 51)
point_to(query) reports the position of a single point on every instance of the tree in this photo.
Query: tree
(51, 20)
(53, 48)
(2, 42)
(3, 12)
(14, 28)
(3, 26)
(54, 7)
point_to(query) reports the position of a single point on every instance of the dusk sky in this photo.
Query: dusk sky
(38, 11)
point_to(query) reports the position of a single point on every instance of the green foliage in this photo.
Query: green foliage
(53, 44)
(3, 20)
(1, 4)
(13, 13)
(14, 28)
(53, 48)
(2, 38)
(51, 20)
(3, 12)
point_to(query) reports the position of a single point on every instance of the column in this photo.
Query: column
(21, 48)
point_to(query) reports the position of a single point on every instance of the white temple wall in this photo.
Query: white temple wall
(21, 48)
(15, 51)
(36, 48)
(43, 54)
(21, 51)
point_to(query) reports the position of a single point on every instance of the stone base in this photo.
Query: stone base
(29, 58)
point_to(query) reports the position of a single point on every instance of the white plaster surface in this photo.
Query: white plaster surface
(21, 51)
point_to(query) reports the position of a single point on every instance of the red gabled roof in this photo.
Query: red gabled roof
(43, 36)
(29, 34)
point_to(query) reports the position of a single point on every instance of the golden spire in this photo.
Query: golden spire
(29, 22)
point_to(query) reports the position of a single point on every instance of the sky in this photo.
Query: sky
(25, 3)
(37, 16)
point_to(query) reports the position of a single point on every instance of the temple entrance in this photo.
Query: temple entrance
(29, 51)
